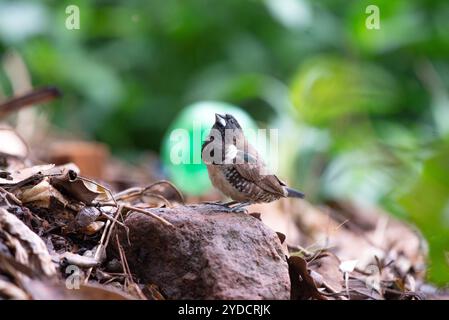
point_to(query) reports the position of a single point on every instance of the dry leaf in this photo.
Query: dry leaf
(10, 291)
(12, 144)
(303, 285)
(43, 195)
(36, 253)
(70, 184)
(18, 176)
(327, 265)
(48, 290)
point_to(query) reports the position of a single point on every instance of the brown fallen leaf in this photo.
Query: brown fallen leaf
(42, 195)
(327, 265)
(19, 176)
(80, 190)
(33, 251)
(9, 290)
(303, 286)
(94, 227)
(51, 290)
(281, 237)
(152, 292)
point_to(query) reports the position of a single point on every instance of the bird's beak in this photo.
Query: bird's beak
(220, 119)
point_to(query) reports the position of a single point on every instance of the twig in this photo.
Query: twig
(160, 197)
(104, 239)
(11, 196)
(298, 249)
(129, 281)
(139, 192)
(124, 262)
(137, 209)
(113, 219)
(118, 212)
(132, 192)
(40, 95)
(101, 186)
(168, 183)
(132, 208)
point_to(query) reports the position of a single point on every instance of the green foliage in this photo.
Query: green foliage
(428, 205)
(330, 89)
(363, 114)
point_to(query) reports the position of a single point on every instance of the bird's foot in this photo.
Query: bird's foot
(240, 207)
(226, 206)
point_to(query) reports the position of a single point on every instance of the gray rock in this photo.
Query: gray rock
(208, 255)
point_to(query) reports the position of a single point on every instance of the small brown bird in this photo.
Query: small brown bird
(236, 169)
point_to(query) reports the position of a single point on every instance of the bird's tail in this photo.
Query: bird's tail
(292, 193)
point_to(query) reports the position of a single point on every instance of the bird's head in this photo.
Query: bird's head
(226, 132)
(230, 130)
(226, 122)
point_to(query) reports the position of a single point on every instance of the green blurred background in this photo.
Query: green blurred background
(364, 114)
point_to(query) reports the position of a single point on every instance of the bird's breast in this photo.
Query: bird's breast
(229, 182)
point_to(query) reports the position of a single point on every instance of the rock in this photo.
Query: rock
(207, 255)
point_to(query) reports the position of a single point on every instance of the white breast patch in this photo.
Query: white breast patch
(230, 153)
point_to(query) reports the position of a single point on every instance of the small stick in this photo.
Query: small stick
(139, 192)
(137, 209)
(158, 196)
(168, 183)
(128, 275)
(123, 261)
(131, 208)
(113, 219)
(36, 96)
(104, 239)
(101, 186)
(118, 212)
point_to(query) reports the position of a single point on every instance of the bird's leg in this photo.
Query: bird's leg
(241, 207)
(230, 203)
(221, 203)
(226, 206)
(216, 203)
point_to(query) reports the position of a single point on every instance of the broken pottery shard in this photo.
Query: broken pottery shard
(208, 255)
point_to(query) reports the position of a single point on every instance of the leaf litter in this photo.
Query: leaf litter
(55, 227)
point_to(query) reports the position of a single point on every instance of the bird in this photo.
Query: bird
(236, 169)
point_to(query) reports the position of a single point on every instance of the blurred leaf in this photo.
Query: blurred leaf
(327, 89)
(291, 13)
(368, 175)
(401, 23)
(428, 205)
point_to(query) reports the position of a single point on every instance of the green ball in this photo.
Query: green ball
(181, 145)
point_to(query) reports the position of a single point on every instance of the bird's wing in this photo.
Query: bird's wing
(255, 171)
